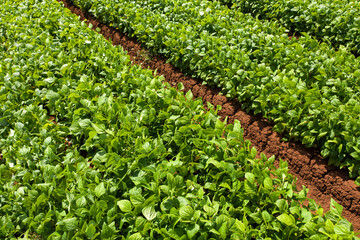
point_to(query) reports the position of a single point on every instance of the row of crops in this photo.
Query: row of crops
(308, 89)
(334, 21)
(95, 148)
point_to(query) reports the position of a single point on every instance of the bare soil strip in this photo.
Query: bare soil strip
(324, 181)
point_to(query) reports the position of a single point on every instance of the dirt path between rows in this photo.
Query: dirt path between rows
(325, 182)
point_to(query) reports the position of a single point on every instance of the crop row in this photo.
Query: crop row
(95, 148)
(308, 89)
(335, 22)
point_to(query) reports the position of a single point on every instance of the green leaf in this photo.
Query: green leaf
(106, 231)
(286, 219)
(239, 226)
(209, 210)
(90, 231)
(336, 206)
(81, 202)
(219, 124)
(99, 128)
(223, 230)
(100, 190)
(253, 152)
(192, 230)
(266, 216)
(186, 212)
(268, 184)
(136, 197)
(250, 177)
(135, 236)
(149, 212)
(140, 223)
(189, 95)
(281, 204)
(84, 123)
(19, 125)
(329, 226)
(237, 126)
(292, 113)
(70, 224)
(124, 205)
(180, 86)
(357, 73)
(357, 181)
(341, 230)
(256, 217)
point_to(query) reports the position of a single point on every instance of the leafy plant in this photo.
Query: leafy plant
(96, 148)
(334, 22)
(309, 90)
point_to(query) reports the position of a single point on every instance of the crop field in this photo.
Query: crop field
(335, 22)
(95, 146)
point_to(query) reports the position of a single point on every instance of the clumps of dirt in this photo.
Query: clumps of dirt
(324, 181)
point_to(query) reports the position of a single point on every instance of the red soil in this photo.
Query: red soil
(324, 181)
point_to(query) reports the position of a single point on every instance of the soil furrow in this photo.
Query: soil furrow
(324, 181)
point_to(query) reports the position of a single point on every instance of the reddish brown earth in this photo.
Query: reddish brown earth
(324, 181)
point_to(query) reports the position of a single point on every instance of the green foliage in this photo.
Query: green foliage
(333, 21)
(95, 148)
(309, 90)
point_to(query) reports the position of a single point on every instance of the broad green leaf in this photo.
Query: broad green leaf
(286, 219)
(209, 210)
(106, 231)
(223, 230)
(192, 230)
(329, 226)
(250, 177)
(239, 226)
(357, 181)
(99, 128)
(189, 95)
(180, 86)
(256, 217)
(266, 216)
(19, 125)
(70, 224)
(341, 230)
(250, 188)
(186, 212)
(90, 231)
(183, 201)
(124, 205)
(268, 184)
(135, 236)
(136, 197)
(81, 202)
(100, 190)
(140, 223)
(292, 113)
(84, 123)
(237, 126)
(336, 206)
(281, 204)
(149, 212)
